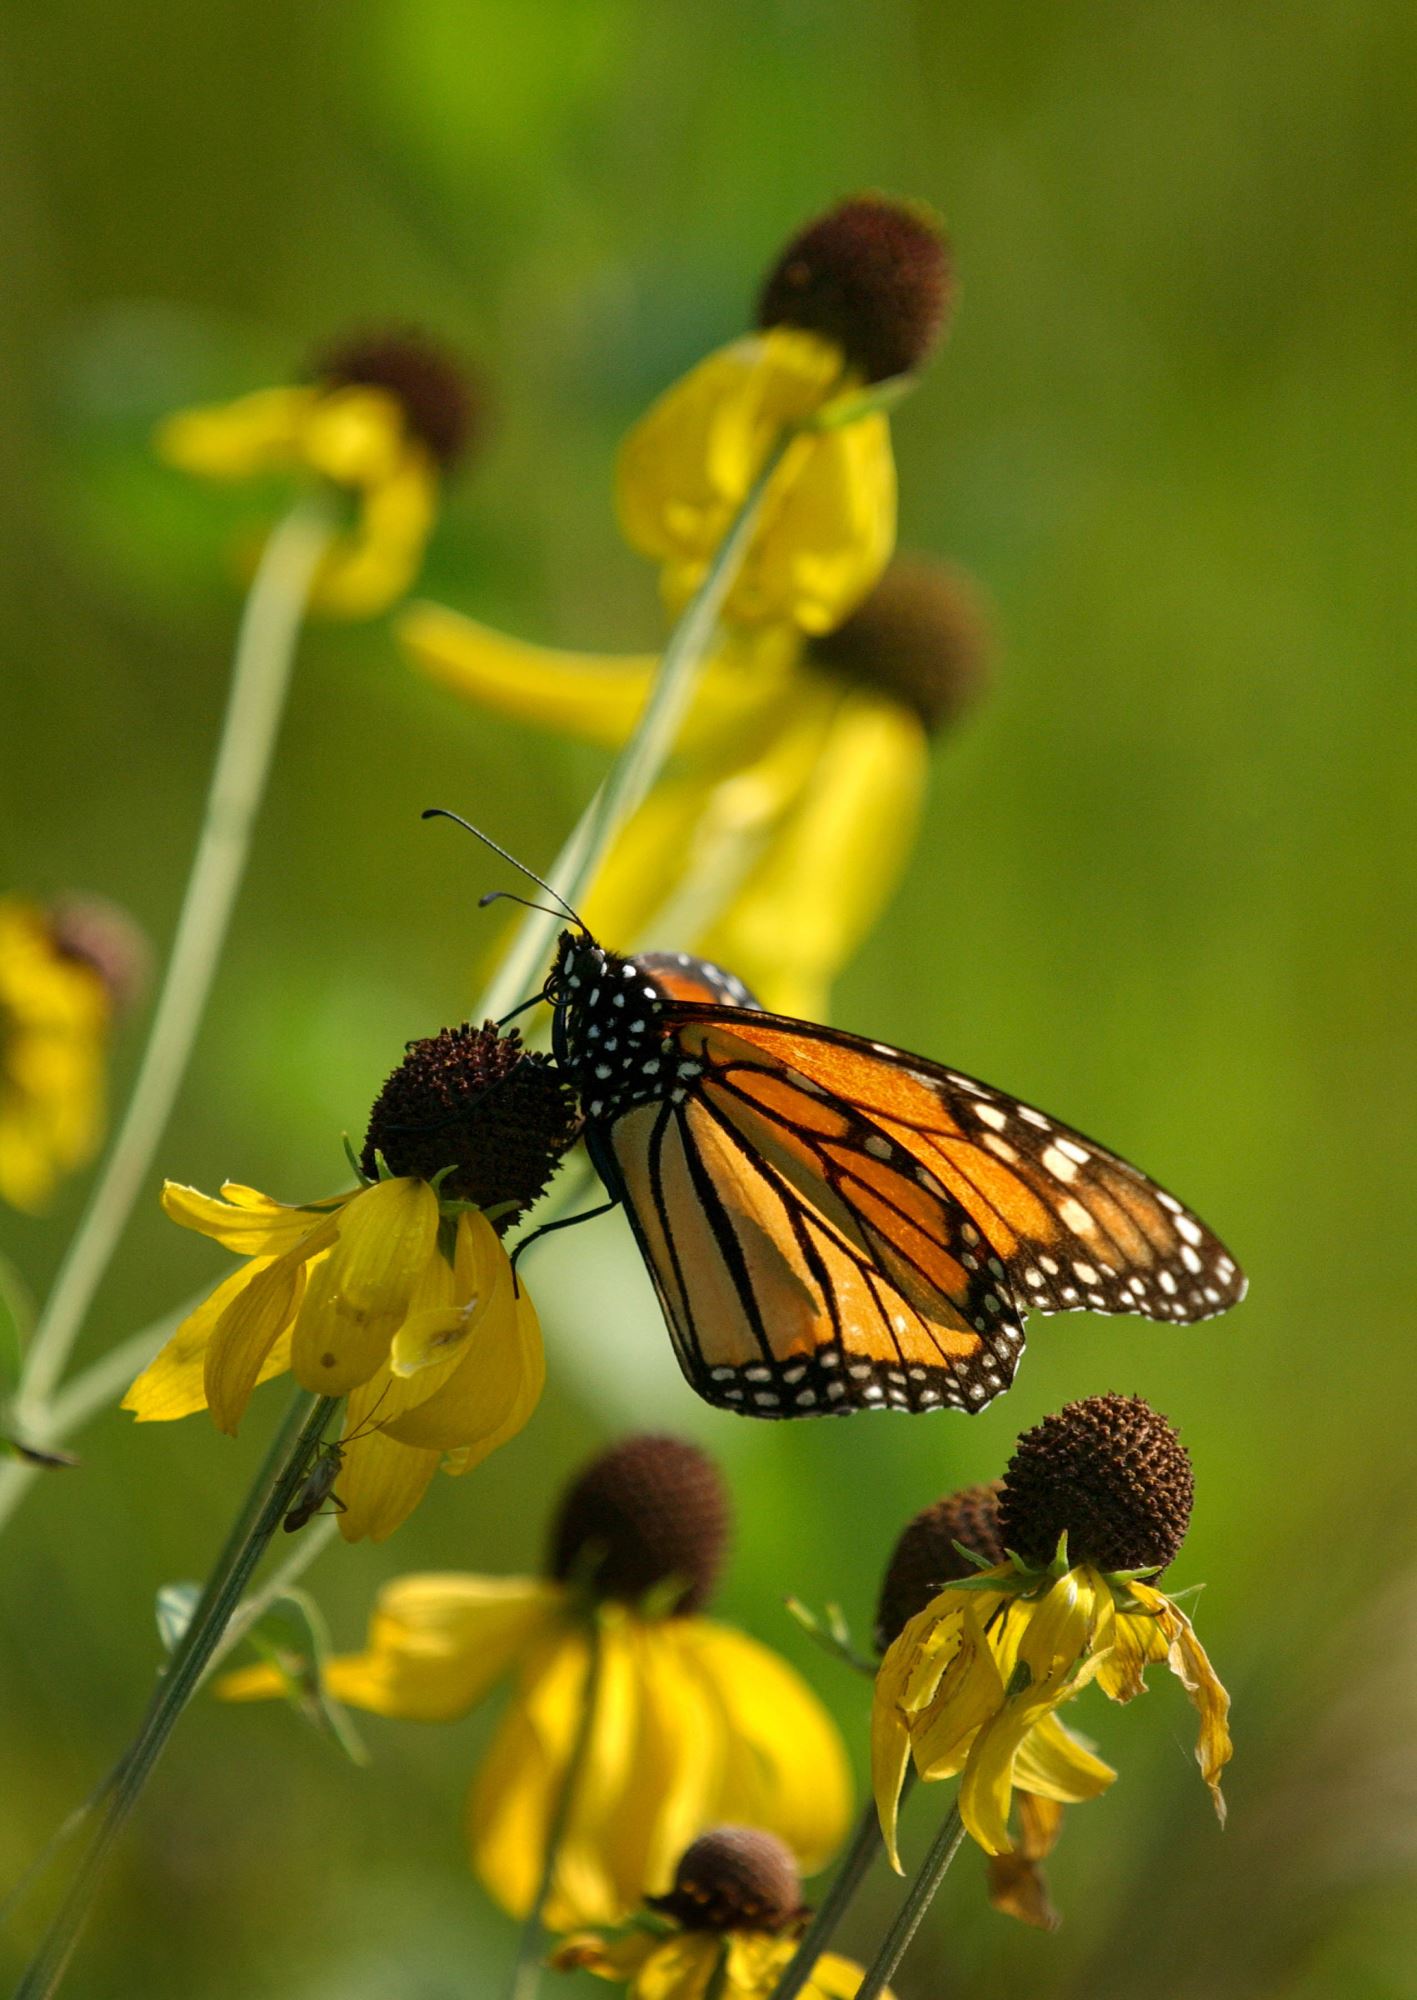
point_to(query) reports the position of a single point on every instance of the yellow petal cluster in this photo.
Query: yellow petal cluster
(826, 526)
(353, 437)
(705, 1965)
(693, 1725)
(55, 1014)
(971, 1685)
(374, 1295)
(778, 832)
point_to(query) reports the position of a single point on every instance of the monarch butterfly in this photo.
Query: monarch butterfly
(832, 1224)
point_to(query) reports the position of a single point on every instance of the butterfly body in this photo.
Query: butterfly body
(834, 1224)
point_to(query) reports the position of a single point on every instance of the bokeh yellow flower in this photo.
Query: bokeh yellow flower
(783, 823)
(64, 973)
(691, 1722)
(382, 419)
(734, 1913)
(397, 1295)
(971, 1686)
(857, 297)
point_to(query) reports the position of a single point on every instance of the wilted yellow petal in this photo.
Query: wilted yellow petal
(1017, 1886)
(1138, 1641)
(359, 1296)
(1054, 1764)
(238, 440)
(1189, 1662)
(173, 1384)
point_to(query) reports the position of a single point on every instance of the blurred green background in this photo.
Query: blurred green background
(1163, 889)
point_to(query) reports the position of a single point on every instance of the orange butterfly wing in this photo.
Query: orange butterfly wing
(834, 1224)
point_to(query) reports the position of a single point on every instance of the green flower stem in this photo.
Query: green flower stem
(526, 1973)
(260, 677)
(639, 763)
(866, 1844)
(94, 1389)
(912, 1911)
(269, 1500)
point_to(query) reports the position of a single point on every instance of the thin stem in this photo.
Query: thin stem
(260, 677)
(526, 1974)
(638, 764)
(912, 1911)
(855, 1866)
(269, 1500)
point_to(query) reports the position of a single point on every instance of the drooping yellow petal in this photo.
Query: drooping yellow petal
(785, 1766)
(595, 697)
(359, 1296)
(380, 1484)
(242, 1220)
(518, 1784)
(1054, 1764)
(173, 1384)
(375, 565)
(1139, 1640)
(673, 1782)
(611, 1800)
(238, 440)
(798, 915)
(438, 1644)
(968, 1696)
(1189, 1662)
(495, 1386)
(259, 1313)
(827, 523)
(1048, 1641)
(355, 435)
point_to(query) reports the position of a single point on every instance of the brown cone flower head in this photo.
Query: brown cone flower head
(735, 1878)
(475, 1100)
(99, 934)
(440, 403)
(926, 1558)
(922, 637)
(648, 1511)
(1110, 1473)
(874, 276)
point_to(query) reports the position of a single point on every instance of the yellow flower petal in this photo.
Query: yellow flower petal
(1017, 1885)
(835, 1978)
(1053, 1764)
(515, 1792)
(495, 1386)
(785, 1767)
(238, 440)
(607, 1958)
(259, 1313)
(359, 1296)
(172, 1384)
(1140, 1640)
(438, 1644)
(354, 435)
(380, 1484)
(1189, 1662)
(249, 1223)
(374, 566)
(799, 914)
(827, 524)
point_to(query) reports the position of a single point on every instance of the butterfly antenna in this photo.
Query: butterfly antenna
(563, 907)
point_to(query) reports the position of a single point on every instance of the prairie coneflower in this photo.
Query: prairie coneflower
(65, 972)
(1094, 1500)
(727, 1929)
(398, 1294)
(860, 296)
(634, 1721)
(383, 417)
(947, 1543)
(778, 834)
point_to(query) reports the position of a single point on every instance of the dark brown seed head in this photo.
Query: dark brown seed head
(735, 1878)
(1112, 1474)
(922, 637)
(475, 1100)
(98, 934)
(442, 405)
(926, 1558)
(649, 1511)
(874, 276)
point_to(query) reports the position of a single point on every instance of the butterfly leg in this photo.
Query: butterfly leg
(565, 1222)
